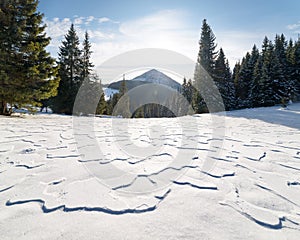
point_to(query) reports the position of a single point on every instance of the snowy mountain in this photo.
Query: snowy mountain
(155, 76)
(151, 76)
(109, 92)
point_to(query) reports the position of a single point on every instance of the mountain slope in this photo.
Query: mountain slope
(152, 76)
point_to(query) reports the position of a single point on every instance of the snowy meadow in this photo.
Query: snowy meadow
(208, 176)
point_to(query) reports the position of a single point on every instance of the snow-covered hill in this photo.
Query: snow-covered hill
(196, 177)
(152, 76)
(157, 77)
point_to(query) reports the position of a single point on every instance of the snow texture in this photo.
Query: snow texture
(243, 184)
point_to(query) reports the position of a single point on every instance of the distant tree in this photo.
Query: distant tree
(236, 73)
(294, 63)
(282, 84)
(102, 107)
(296, 67)
(188, 90)
(256, 88)
(290, 71)
(266, 77)
(28, 74)
(121, 101)
(243, 82)
(223, 80)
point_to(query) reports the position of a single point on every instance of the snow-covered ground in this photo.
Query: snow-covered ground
(197, 177)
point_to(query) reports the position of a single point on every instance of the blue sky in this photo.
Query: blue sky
(119, 26)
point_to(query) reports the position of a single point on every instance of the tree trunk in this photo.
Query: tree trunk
(4, 110)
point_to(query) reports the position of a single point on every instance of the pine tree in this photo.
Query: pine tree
(243, 82)
(70, 72)
(87, 65)
(90, 83)
(203, 75)
(282, 84)
(207, 54)
(290, 71)
(121, 101)
(187, 90)
(296, 64)
(236, 74)
(257, 86)
(28, 74)
(266, 77)
(223, 80)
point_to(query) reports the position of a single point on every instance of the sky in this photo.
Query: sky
(116, 27)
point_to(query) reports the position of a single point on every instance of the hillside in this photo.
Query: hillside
(151, 76)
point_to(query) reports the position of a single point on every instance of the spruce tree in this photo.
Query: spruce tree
(28, 74)
(282, 84)
(290, 71)
(121, 101)
(256, 85)
(70, 72)
(296, 68)
(102, 106)
(204, 71)
(188, 90)
(236, 74)
(90, 84)
(223, 80)
(87, 65)
(243, 82)
(266, 77)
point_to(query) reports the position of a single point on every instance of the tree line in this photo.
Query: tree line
(263, 78)
(30, 77)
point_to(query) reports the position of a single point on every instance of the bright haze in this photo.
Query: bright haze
(116, 27)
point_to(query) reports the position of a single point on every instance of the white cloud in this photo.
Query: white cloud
(166, 21)
(78, 20)
(89, 19)
(167, 29)
(293, 26)
(58, 28)
(103, 20)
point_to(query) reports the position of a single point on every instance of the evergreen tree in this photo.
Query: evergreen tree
(71, 72)
(245, 79)
(121, 101)
(102, 107)
(236, 74)
(290, 71)
(207, 54)
(243, 82)
(282, 84)
(296, 68)
(90, 84)
(223, 80)
(257, 85)
(266, 77)
(204, 71)
(28, 74)
(188, 90)
(87, 65)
